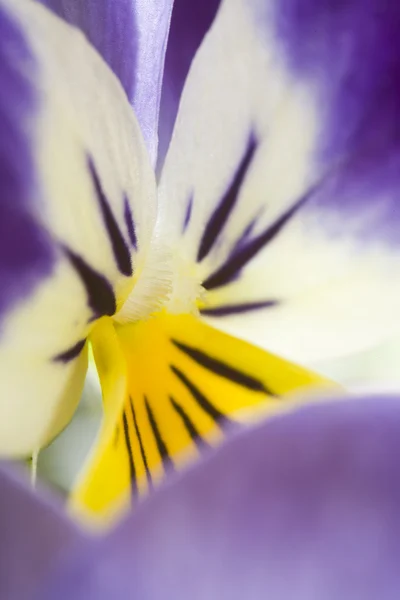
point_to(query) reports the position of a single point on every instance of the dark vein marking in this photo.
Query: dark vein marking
(248, 230)
(132, 470)
(201, 400)
(100, 294)
(120, 249)
(190, 427)
(188, 213)
(234, 309)
(142, 450)
(220, 215)
(161, 445)
(71, 353)
(222, 369)
(129, 223)
(237, 260)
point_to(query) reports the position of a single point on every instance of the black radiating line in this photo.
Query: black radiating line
(234, 309)
(222, 369)
(132, 470)
(189, 426)
(202, 401)
(243, 238)
(161, 446)
(99, 292)
(188, 214)
(120, 249)
(71, 353)
(129, 223)
(236, 261)
(139, 437)
(221, 213)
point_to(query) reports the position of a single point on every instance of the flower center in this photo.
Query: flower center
(165, 280)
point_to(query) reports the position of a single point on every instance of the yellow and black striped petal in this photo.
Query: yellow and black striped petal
(172, 387)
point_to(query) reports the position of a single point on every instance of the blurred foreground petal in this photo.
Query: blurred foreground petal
(34, 535)
(305, 506)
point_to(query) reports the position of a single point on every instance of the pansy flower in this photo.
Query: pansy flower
(273, 226)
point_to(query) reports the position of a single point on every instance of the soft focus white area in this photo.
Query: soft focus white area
(377, 369)
(374, 370)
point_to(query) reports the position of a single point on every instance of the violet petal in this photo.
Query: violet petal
(34, 535)
(131, 36)
(303, 506)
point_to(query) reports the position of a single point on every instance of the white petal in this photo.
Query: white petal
(249, 126)
(80, 136)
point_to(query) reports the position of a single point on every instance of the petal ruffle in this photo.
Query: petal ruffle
(74, 174)
(305, 506)
(34, 536)
(132, 37)
(284, 179)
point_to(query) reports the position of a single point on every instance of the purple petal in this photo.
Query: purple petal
(34, 535)
(353, 64)
(110, 27)
(25, 257)
(189, 23)
(131, 36)
(305, 506)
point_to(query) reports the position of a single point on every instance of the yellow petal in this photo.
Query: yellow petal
(172, 387)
